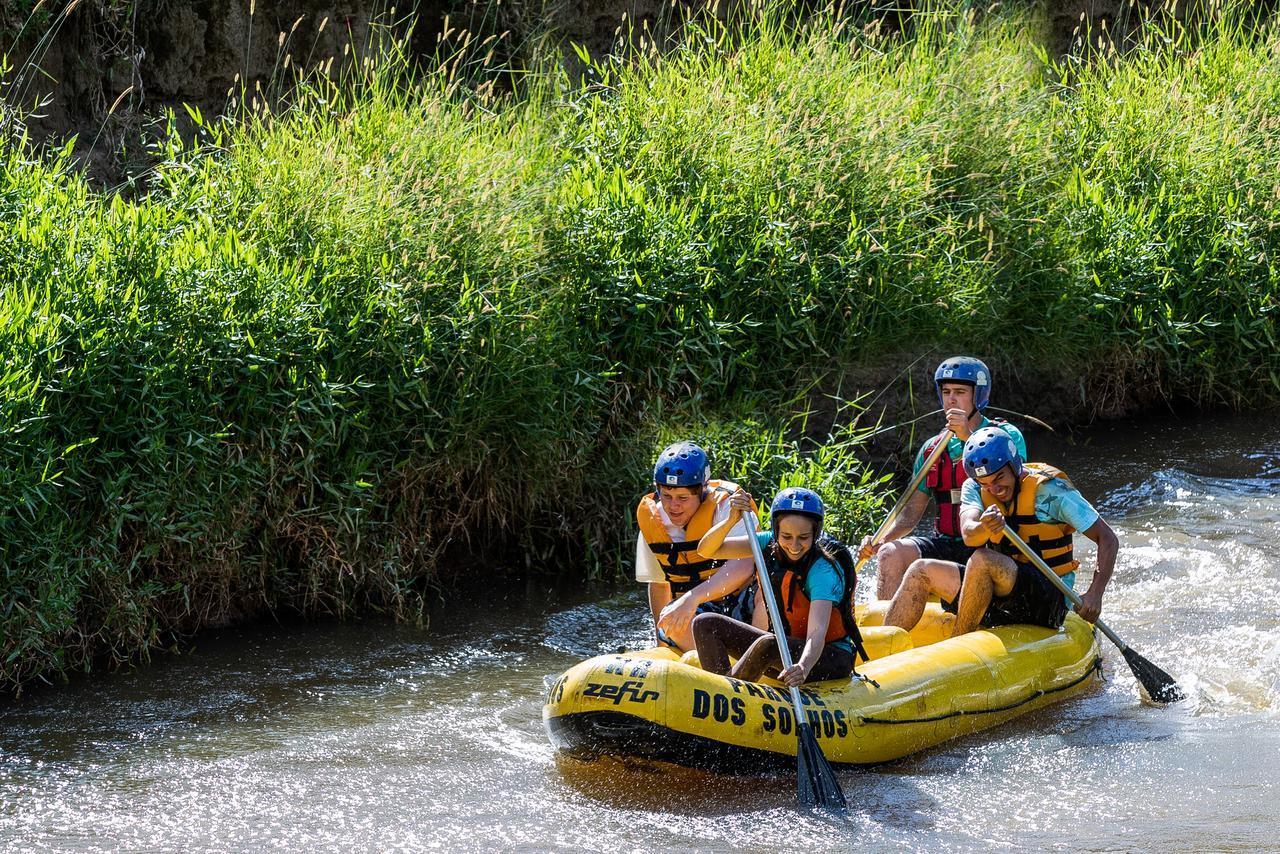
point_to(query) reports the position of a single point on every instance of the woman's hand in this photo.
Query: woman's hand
(794, 676)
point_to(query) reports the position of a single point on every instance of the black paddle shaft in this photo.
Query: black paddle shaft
(1159, 685)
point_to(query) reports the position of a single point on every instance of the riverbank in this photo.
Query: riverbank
(335, 348)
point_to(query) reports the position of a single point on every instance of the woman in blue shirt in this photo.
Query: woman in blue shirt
(812, 593)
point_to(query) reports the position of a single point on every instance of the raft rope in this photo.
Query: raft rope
(934, 412)
(1095, 667)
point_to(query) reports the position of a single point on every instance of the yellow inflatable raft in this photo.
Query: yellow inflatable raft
(656, 705)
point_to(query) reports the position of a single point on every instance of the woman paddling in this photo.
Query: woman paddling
(810, 586)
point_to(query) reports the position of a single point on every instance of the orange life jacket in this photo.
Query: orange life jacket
(683, 567)
(788, 588)
(1051, 540)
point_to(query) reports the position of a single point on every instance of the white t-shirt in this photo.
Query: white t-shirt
(647, 566)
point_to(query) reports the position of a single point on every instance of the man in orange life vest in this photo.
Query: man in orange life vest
(998, 585)
(684, 505)
(964, 390)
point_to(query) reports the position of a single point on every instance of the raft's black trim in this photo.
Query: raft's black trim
(590, 735)
(1096, 667)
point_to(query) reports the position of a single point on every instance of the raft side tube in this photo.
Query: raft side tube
(641, 704)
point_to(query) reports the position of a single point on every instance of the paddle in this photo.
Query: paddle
(1158, 685)
(816, 783)
(943, 440)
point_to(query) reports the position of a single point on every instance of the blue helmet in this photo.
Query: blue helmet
(682, 464)
(968, 370)
(797, 499)
(989, 450)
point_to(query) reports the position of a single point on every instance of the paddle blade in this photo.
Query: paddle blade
(816, 783)
(1158, 685)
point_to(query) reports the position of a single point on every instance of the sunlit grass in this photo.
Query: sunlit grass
(369, 327)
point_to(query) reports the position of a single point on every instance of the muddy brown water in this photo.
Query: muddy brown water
(383, 738)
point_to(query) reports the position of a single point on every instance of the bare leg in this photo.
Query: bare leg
(761, 655)
(718, 636)
(892, 562)
(987, 574)
(924, 577)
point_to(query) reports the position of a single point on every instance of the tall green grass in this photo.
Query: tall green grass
(342, 346)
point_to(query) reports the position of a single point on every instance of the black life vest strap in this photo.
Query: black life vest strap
(1060, 560)
(686, 572)
(1037, 545)
(1051, 543)
(670, 550)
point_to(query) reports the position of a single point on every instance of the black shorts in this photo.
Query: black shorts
(1033, 600)
(941, 548)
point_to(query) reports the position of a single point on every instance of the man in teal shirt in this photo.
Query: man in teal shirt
(999, 585)
(964, 389)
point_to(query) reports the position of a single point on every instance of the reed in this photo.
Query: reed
(400, 315)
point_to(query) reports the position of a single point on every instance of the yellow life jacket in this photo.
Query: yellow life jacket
(683, 567)
(1050, 540)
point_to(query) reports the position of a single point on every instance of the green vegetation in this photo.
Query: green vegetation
(335, 349)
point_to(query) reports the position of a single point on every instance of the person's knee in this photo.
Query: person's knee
(998, 569)
(918, 576)
(980, 562)
(762, 652)
(1004, 577)
(897, 555)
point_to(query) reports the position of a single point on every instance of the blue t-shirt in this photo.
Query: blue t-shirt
(823, 581)
(1056, 501)
(955, 448)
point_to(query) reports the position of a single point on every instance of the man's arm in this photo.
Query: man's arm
(676, 618)
(912, 511)
(1108, 547)
(659, 597)
(716, 543)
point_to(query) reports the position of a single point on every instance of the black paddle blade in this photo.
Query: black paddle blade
(816, 783)
(1157, 684)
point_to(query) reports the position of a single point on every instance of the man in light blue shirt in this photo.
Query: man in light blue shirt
(999, 585)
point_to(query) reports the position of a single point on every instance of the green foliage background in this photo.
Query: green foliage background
(342, 343)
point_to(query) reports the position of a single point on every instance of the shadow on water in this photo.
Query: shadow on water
(660, 786)
(886, 798)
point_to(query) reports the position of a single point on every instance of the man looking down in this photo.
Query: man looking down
(998, 585)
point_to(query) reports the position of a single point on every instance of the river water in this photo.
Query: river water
(382, 738)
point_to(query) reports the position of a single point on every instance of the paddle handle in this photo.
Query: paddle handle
(944, 439)
(1039, 564)
(771, 602)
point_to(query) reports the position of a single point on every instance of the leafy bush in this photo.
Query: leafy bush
(337, 348)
